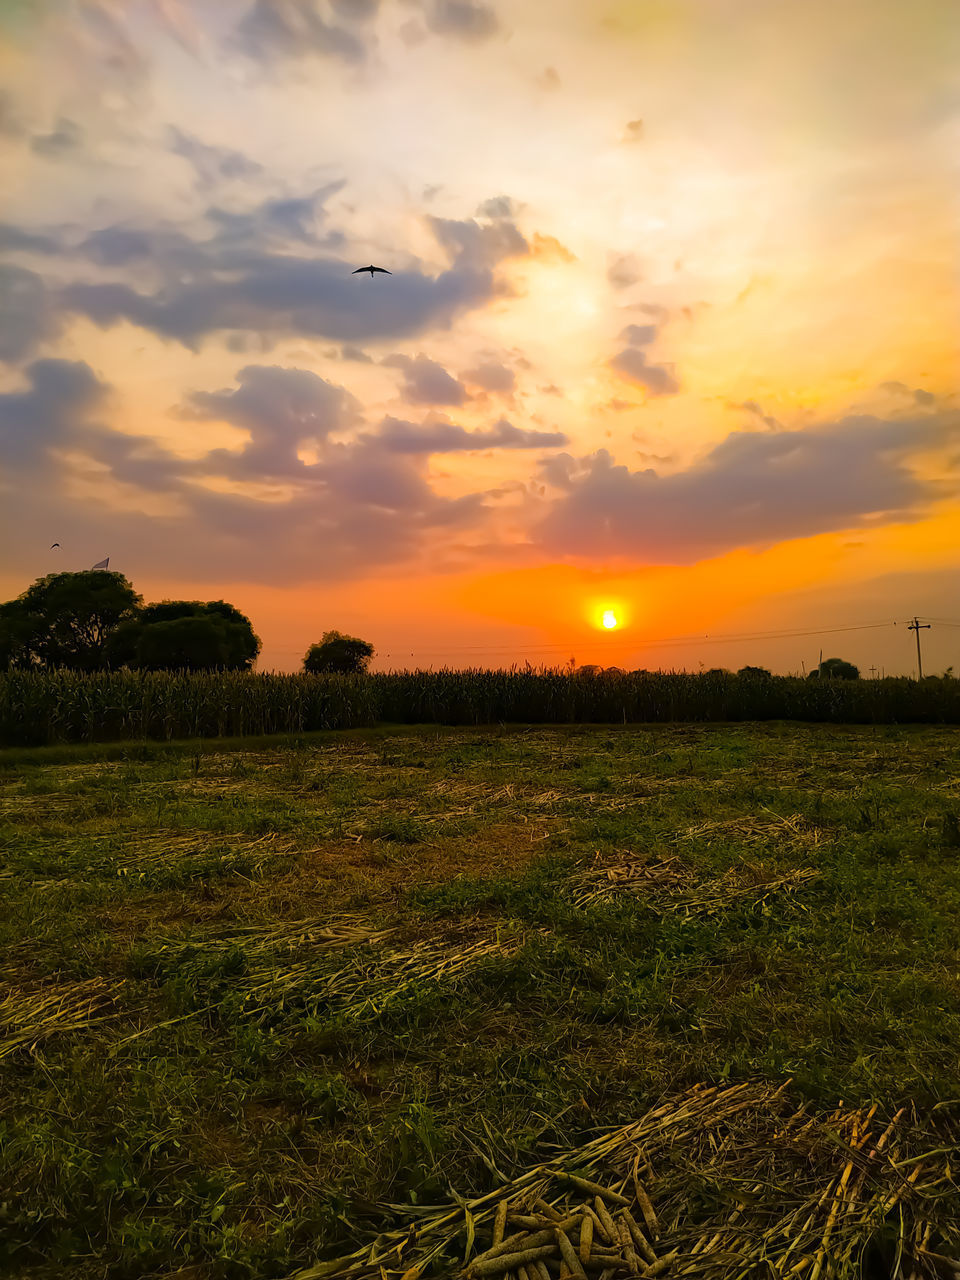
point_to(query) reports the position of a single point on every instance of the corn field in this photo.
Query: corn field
(40, 707)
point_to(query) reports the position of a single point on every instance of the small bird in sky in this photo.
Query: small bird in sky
(372, 269)
(56, 544)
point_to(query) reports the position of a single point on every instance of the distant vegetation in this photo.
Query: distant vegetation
(39, 706)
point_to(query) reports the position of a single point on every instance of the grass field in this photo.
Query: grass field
(253, 992)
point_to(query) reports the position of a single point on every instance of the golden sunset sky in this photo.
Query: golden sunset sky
(672, 327)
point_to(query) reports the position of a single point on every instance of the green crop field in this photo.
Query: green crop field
(273, 1001)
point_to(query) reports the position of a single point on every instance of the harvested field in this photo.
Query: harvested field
(366, 1005)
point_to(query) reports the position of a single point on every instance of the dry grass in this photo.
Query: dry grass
(720, 1182)
(29, 1016)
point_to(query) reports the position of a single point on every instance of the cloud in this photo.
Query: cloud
(623, 271)
(262, 514)
(64, 140)
(549, 247)
(283, 220)
(232, 282)
(283, 409)
(634, 366)
(754, 488)
(633, 131)
(632, 363)
(426, 382)
(278, 29)
(16, 239)
(751, 406)
(462, 19)
(11, 122)
(398, 436)
(355, 10)
(61, 395)
(26, 316)
(917, 394)
(498, 207)
(492, 376)
(212, 164)
(351, 352)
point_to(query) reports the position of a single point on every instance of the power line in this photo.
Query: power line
(632, 644)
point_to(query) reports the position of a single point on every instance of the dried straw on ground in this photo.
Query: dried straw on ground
(721, 1183)
(367, 984)
(256, 940)
(27, 1017)
(669, 886)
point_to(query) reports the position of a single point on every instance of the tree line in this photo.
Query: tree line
(97, 621)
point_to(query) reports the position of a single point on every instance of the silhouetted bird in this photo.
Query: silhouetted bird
(56, 544)
(372, 270)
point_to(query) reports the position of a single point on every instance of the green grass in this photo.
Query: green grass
(245, 1093)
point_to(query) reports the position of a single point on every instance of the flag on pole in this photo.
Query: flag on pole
(103, 564)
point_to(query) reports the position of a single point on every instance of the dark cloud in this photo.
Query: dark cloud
(462, 19)
(498, 207)
(226, 284)
(398, 436)
(26, 316)
(64, 140)
(632, 362)
(426, 382)
(284, 220)
(61, 395)
(283, 409)
(754, 488)
(639, 335)
(277, 29)
(213, 164)
(352, 507)
(355, 10)
(917, 394)
(751, 406)
(479, 244)
(16, 239)
(351, 352)
(492, 376)
(623, 271)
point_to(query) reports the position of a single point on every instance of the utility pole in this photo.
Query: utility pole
(918, 626)
(873, 672)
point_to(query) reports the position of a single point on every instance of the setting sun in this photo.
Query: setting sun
(609, 619)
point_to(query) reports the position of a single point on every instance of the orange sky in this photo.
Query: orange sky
(672, 327)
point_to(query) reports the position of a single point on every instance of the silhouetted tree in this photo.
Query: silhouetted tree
(755, 673)
(186, 634)
(66, 620)
(836, 669)
(182, 644)
(338, 654)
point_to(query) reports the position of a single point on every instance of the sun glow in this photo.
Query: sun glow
(609, 619)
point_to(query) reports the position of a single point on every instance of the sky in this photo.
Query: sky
(672, 329)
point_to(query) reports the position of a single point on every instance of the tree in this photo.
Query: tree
(755, 673)
(836, 669)
(186, 634)
(67, 619)
(182, 644)
(338, 654)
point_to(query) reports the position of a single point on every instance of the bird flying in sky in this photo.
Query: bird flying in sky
(56, 544)
(372, 269)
